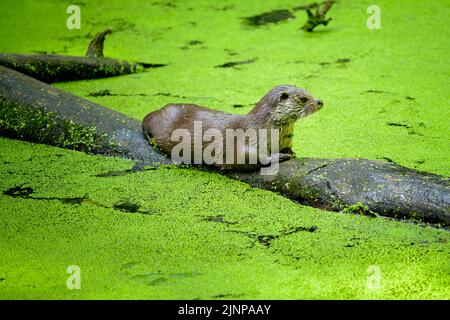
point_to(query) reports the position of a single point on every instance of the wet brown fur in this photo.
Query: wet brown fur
(278, 109)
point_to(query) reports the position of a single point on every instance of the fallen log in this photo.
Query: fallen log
(55, 68)
(34, 111)
(360, 186)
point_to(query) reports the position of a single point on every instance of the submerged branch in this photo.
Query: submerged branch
(317, 18)
(95, 48)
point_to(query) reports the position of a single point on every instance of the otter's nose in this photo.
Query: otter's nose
(319, 102)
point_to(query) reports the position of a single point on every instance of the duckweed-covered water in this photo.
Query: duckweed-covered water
(169, 233)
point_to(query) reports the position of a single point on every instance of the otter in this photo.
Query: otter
(278, 110)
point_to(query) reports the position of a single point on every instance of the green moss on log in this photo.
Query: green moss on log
(359, 208)
(36, 125)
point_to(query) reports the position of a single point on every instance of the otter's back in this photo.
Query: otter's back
(160, 124)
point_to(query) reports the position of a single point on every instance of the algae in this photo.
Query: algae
(359, 208)
(204, 224)
(257, 245)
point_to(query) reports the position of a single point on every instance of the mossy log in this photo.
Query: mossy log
(55, 68)
(34, 111)
(360, 186)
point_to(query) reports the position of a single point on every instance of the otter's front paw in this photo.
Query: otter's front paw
(281, 157)
(288, 151)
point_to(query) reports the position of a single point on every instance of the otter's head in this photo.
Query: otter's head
(288, 103)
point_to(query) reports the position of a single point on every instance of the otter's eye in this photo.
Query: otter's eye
(284, 96)
(303, 99)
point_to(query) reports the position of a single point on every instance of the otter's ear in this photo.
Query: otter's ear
(283, 96)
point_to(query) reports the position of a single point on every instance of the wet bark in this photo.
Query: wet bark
(95, 48)
(34, 111)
